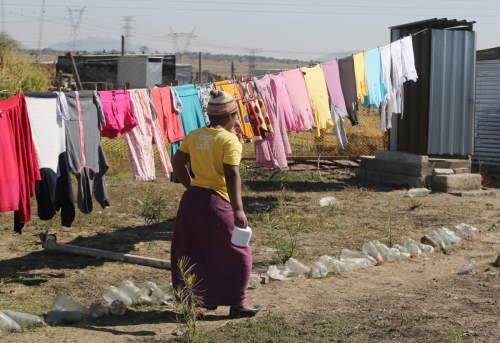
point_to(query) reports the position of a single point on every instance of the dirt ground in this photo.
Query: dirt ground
(417, 300)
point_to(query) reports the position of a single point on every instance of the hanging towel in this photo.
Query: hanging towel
(332, 77)
(192, 114)
(374, 79)
(19, 165)
(348, 83)
(318, 94)
(360, 74)
(271, 152)
(283, 101)
(297, 89)
(83, 144)
(409, 71)
(168, 117)
(385, 54)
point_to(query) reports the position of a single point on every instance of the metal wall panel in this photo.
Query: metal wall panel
(487, 120)
(452, 83)
(411, 131)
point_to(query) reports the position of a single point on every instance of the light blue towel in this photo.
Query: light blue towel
(374, 79)
(192, 114)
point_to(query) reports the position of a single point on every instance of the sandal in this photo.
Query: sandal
(237, 313)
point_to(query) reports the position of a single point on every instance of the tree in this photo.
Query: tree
(144, 49)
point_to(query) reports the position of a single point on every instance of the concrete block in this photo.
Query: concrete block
(410, 169)
(390, 178)
(442, 171)
(456, 183)
(475, 193)
(360, 173)
(461, 170)
(450, 163)
(397, 156)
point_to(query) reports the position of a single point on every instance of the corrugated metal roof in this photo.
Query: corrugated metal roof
(436, 23)
(488, 54)
(451, 105)
(487, 121)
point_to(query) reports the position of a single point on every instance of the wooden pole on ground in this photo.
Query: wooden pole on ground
(109, 255)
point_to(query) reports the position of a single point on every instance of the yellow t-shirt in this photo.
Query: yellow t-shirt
(208, 149)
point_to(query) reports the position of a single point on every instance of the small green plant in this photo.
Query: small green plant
(187, 303)
(153, 206)
(453, 336)
(283, 233)
(413, 204)
(392, 236)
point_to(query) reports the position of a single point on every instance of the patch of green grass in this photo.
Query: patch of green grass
(275, 327)
(452, 335)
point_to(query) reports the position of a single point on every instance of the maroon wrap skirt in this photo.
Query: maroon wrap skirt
(202, 232)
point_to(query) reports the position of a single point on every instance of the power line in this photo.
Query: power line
(74, 36)
(128, 31)
(252, 57)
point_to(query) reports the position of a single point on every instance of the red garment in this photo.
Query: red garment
(19, 169)
(168, 117)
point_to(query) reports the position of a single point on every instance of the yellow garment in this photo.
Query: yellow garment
(360, 74)
(208, 149)
(318, 95)
(230, 88)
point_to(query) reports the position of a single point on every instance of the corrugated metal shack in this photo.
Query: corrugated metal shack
(438, 108)
(104, 68)
(487, 120)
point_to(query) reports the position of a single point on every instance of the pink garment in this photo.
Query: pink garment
(271, 152)
(332, 77)
(284, 103)
(297, 89)
(140, 148)
(118, 113)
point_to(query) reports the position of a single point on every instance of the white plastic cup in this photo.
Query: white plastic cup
(241, 236)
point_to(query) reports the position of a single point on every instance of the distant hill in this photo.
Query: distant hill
(331, 57)
(92, 44)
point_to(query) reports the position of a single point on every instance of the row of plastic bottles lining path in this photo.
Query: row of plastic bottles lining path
(68, 311)
(374, 253)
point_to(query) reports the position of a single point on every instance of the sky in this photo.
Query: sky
(304, 30)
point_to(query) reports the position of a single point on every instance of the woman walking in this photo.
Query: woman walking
(209, 209)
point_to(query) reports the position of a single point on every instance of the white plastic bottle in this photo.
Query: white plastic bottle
(296, 267)
(118, 308)
(349, 255)
(112, 293)
(370, 249)
(402, 249)
(452, 235)
(254, 281)
(134, 293)
(64, 303)
(412, 247)
(382, 249)
(333, 265)
(393, 255)
(436, 239)
(7, 324)
(283, 275)
(319, 270)
(418, 192)
(358, 263)
(98, 310)
(154, 292)
(23, 319)
(426, 249)
(467, 268)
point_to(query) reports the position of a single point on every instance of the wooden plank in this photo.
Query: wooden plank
(109, 255)
(69, 56)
